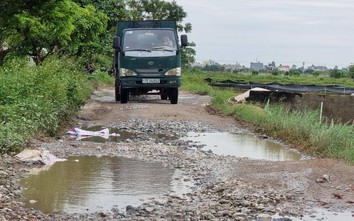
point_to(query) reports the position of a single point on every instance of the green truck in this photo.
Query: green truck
(147, 59)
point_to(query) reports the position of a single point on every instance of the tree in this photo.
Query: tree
(335, 73)
(293, 72)
(115, 10)
(272, 64)
(40, 28)
(351, 71)
(188, 54)
(316, 73)
(140, 10)
(159, 10)
(79, 27)
(7, 21)
(86, 38)
(276, 72)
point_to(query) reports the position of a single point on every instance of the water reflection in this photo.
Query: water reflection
(93, 184)
(123, 135)
(243, 145)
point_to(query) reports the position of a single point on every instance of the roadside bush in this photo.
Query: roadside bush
(255, 72)
(36, 99)
(316, 73)
(335, 73)
(276, 72)
(101, 77)
(293, 72)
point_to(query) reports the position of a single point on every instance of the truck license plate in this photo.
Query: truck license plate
(151, 81)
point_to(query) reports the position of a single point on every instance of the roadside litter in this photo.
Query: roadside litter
(78, 134)
(244, 96)
(36, 156)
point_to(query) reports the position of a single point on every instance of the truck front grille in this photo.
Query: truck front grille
(150, 72)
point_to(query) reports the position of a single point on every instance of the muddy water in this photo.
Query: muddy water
(122, 135)
(242, 145)
(89, 184)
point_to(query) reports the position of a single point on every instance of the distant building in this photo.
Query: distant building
(232, 67)
(318, 68)
(197, 64)
(257, 66)
(284, 68)
(345, 69)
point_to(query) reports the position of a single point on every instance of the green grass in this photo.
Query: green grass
(101, 77)
(37, 99)
(302, 129)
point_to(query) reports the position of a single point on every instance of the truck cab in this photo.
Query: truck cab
(147, 59)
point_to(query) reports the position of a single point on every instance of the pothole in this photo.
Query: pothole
(241, 145)
(90, 184)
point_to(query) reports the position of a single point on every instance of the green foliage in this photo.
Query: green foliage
(188, 54)
(351, 72)
(335, 73)
(89, 25)
(35, 100)
(157, 9)
(276, 72)
(316, 73)
(101, 77)
(293, 72)
(83, 28)
(191, 81)
(42, 28)
(255, 72)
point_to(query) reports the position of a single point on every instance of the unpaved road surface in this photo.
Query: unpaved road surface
(225, 187)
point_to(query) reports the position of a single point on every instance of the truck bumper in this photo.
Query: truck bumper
(134, 82)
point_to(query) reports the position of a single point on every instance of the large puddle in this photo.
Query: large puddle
(242, 145)
(89, 184)
(221, 143)
(121, 135)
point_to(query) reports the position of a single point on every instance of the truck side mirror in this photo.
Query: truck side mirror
(184, 40)
(116, 43)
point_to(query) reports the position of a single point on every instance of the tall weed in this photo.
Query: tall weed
(35, 99)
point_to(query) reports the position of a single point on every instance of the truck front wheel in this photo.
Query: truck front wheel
(163, 96)
(173, 95)
(117, 94)
(124, 97)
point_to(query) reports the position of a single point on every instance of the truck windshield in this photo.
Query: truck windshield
(151, 42)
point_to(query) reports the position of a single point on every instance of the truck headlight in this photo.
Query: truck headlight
(174, 72)
(123, 72)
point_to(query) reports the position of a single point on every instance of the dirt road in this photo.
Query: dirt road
(226, 187)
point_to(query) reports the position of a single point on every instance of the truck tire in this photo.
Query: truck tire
(124, 97)
(117, 94)
(163, 96)
(173, 94)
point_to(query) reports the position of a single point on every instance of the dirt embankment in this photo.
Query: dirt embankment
(227, 187)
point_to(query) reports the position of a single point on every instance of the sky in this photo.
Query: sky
(319, 32)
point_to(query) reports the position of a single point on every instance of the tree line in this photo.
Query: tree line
(79, 28)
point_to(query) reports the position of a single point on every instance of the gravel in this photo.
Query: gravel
(224, 187)
(216, 195)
